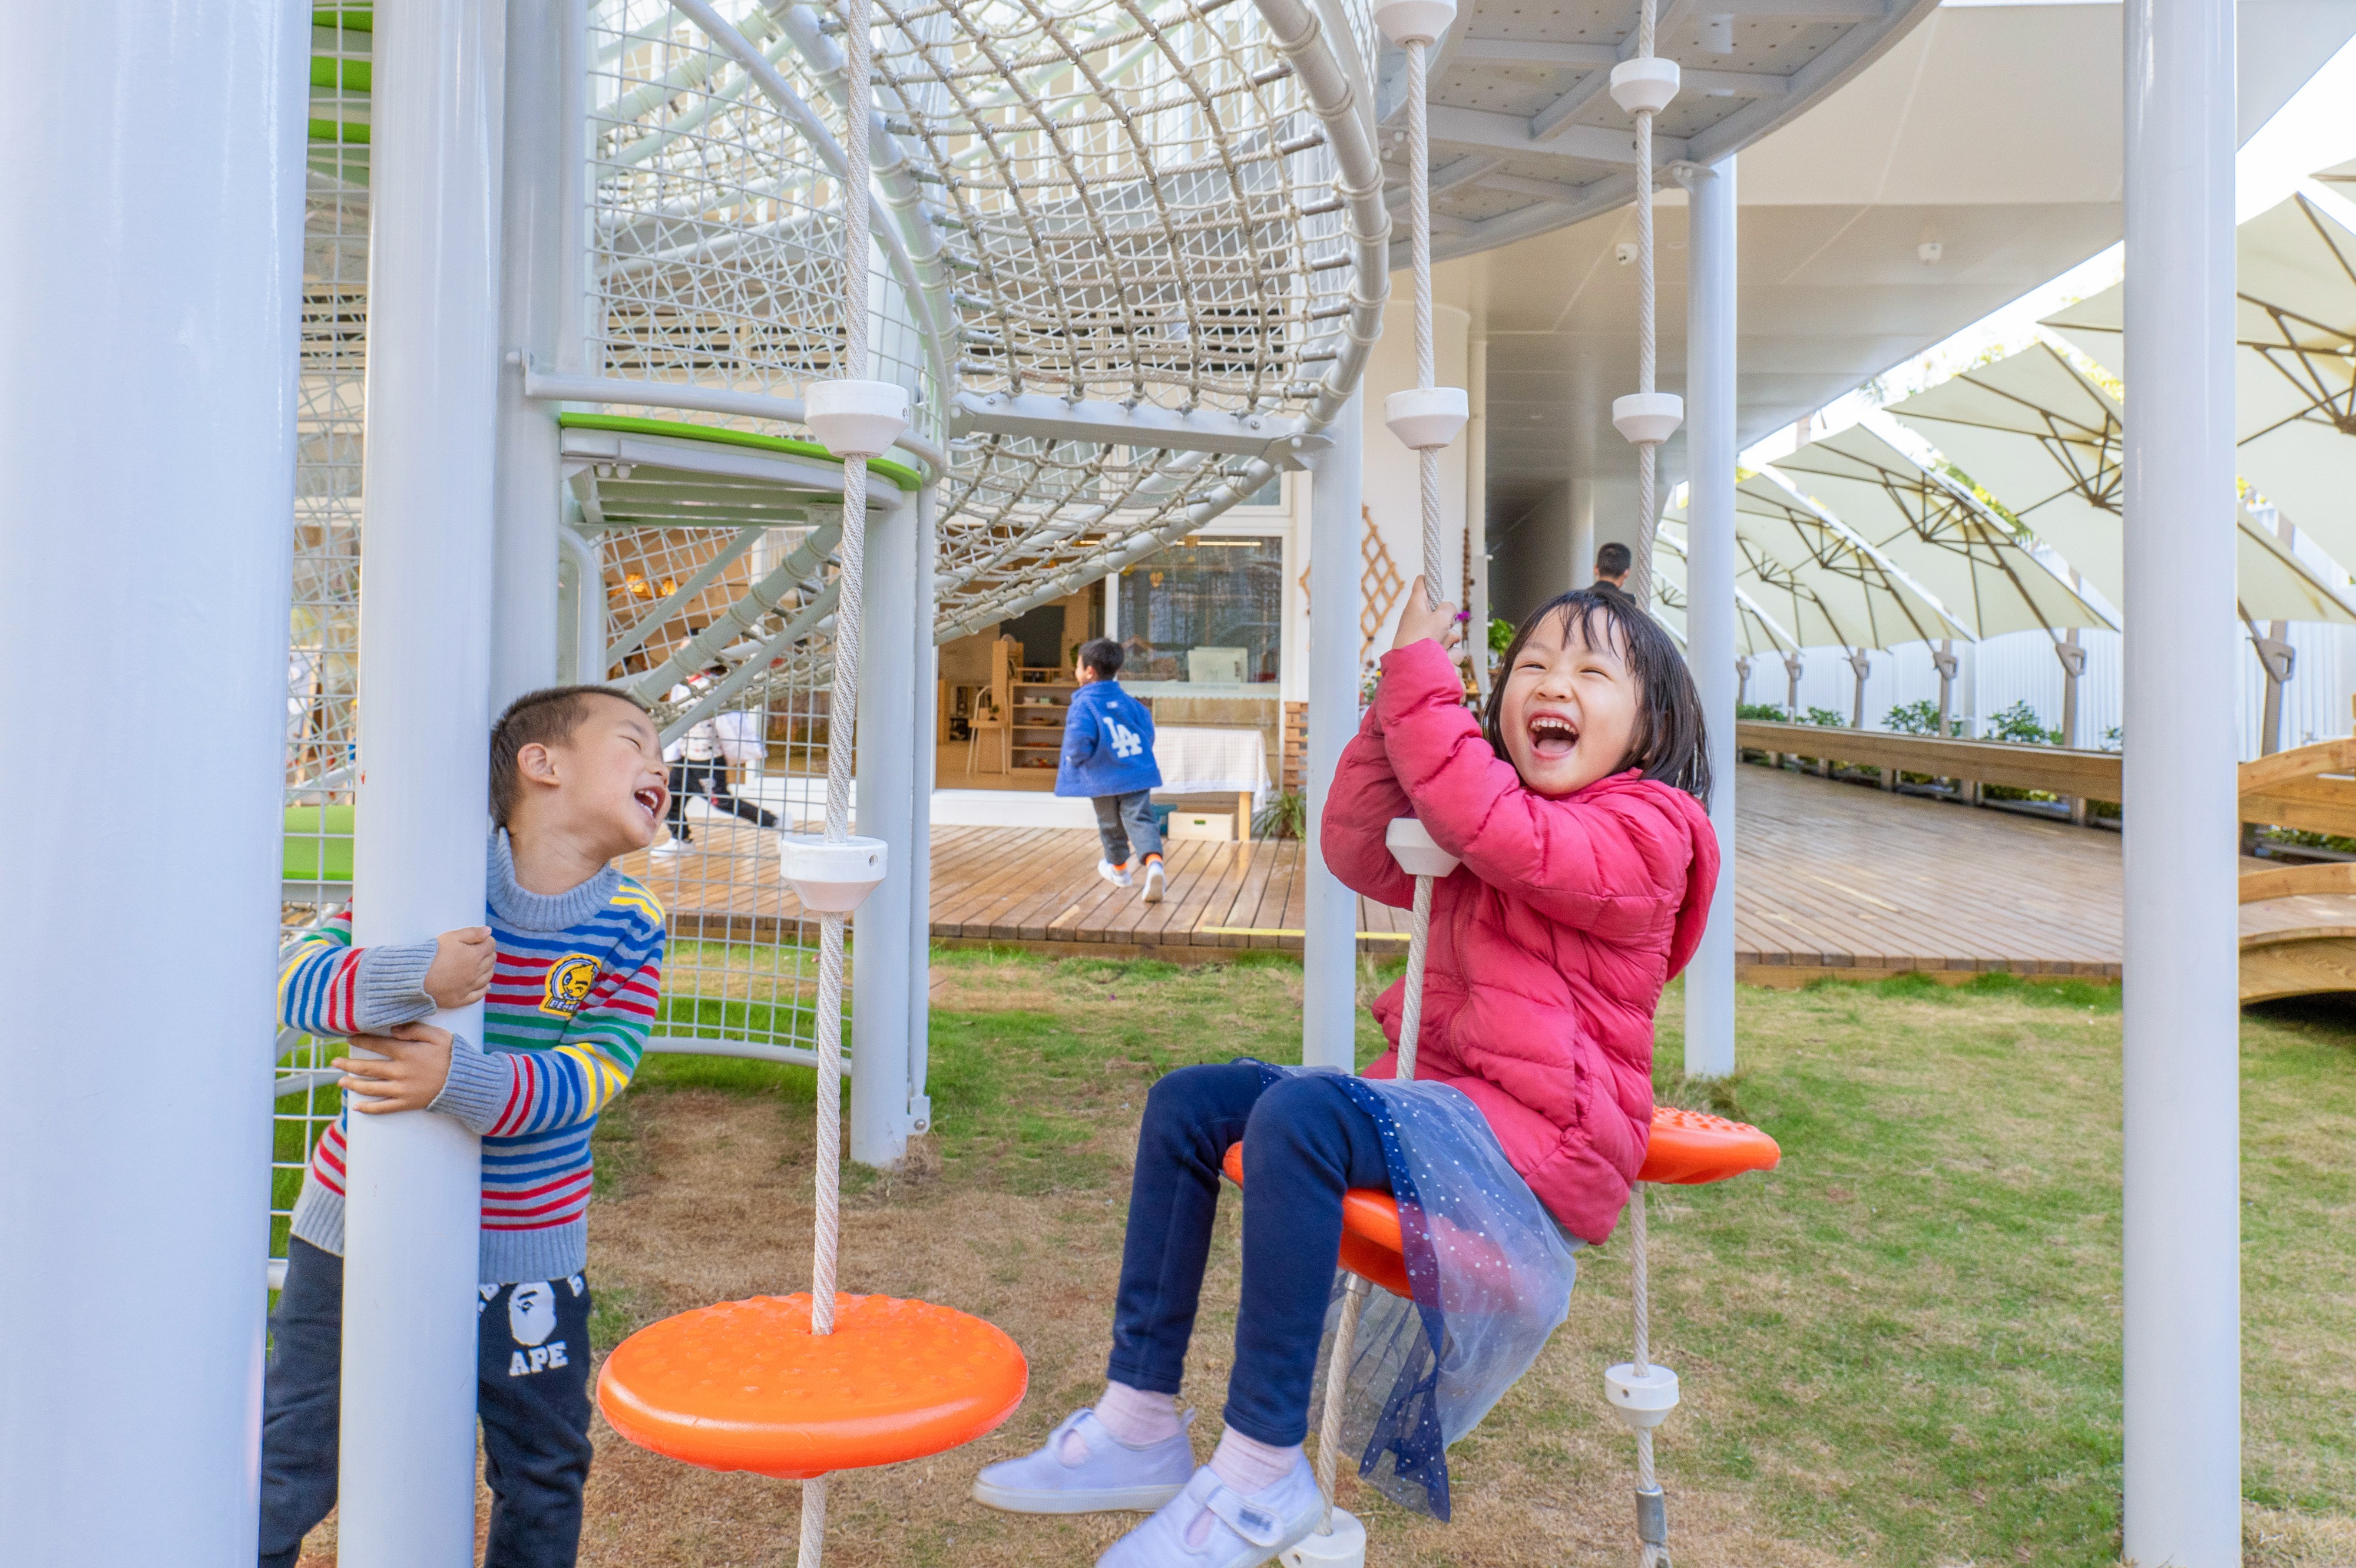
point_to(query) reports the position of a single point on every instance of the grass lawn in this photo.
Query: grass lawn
(1901, 1347)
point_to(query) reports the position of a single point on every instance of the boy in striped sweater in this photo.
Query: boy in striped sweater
(568, 969)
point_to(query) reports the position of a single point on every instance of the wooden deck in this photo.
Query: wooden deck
(1831, 879)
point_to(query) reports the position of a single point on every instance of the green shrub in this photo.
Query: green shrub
(2021, 724)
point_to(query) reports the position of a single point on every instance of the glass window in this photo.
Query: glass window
(1210, 611)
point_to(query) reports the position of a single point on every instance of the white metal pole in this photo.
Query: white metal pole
(1476, 510)
(918, 866)
(1582, 533)
(150, 270)
(1709, 587)
(529, 504)
(1329, 1028)
(2182, 1305)
(880, 976)
(407, 1494)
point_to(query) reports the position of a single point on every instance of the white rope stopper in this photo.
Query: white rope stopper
(842, 718)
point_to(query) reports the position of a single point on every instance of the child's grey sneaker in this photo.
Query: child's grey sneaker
(1111, 1477)
(1243, 1532)
(1154, 881)
(1116, 875)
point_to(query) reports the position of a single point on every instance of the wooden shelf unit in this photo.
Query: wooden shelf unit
(1037, 704)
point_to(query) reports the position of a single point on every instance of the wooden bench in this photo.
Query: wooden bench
(2298, 922)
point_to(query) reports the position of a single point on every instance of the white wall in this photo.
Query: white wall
(2021, 667)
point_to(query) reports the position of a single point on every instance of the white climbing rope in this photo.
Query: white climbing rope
(1338, 1381)
(1419, 226)
(1411, 999)
(1651, 1554)
(842, 717)
(1640, 587)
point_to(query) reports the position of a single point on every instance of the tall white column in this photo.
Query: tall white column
(1709, 587)
(1476, 507)
(918, 863)
(529, 502)
(407, 1495)
(150, 268)
(887, 781)
(2182, 1169)
(1582, 533)
(1329, 1022)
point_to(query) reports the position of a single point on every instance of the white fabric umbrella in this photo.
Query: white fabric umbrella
(1880, 603)
(2043, 437)
(2294, 380)
(1941, 534)
(1755, 631)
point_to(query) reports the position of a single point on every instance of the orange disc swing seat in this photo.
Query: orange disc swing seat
(1688, 1148)
(745, 1385)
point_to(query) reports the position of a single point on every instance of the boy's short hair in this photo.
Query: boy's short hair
(1102, 655)
(1614, 558)
(545, 717)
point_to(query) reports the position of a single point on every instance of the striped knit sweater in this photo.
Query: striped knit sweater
(571, 1001)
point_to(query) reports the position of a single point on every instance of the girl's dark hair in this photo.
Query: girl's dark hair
(1670, 744)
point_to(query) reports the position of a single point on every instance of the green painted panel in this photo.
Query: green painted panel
(902, 477)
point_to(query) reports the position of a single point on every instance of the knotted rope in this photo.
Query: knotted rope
(1640, 576)
(842, 719)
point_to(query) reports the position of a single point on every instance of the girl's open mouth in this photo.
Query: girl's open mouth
(1552, 735)
(650, 800)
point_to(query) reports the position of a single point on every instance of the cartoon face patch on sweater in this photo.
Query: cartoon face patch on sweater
(569, 980)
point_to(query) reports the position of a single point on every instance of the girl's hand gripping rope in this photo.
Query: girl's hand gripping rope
(1421, 620)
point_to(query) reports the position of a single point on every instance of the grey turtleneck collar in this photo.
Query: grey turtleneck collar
(525, 910)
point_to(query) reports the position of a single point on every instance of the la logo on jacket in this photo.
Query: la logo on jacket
(1125, 741)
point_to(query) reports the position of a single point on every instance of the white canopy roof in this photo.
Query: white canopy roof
(1939, 533)
(2294, 381)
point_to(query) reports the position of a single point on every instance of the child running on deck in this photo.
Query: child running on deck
(1108, 758)
(1586, 866)
(568, 968)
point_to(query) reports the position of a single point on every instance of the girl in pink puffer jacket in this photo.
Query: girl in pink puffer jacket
(1588, 864)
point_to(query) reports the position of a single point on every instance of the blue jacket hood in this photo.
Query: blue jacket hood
(1107, 743)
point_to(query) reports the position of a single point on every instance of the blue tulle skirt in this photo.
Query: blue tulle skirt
(1492, 1274)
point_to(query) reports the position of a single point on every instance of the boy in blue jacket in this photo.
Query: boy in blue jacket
(1108, 758)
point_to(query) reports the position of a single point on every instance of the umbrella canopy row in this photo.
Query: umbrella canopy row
(2295, 363)
(2042, 437)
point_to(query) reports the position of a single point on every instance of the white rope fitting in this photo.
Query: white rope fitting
(1337, 1380)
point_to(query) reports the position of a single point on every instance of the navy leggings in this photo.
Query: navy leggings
(1305, 1142)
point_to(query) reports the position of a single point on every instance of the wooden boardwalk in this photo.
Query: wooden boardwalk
(1831, 879)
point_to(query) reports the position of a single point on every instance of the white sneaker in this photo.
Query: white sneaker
(1083, 1468)
(669, 848)
(1154, 881)
(1116, 875)
(1239, 1532)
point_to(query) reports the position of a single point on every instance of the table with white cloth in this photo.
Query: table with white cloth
(1206, 761)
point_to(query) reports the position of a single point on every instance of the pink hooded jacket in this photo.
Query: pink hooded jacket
(1549, 944)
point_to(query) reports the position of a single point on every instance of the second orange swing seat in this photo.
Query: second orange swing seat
(1688, 1148)
(745, 1385)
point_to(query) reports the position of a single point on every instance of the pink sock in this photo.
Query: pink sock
(1137, 1418)
(1248, 1465)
